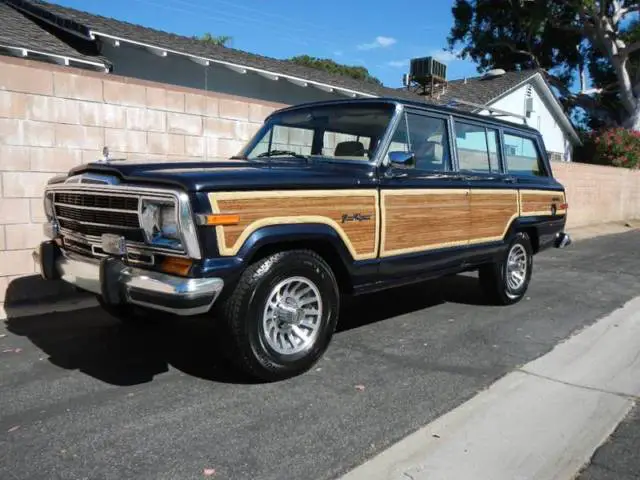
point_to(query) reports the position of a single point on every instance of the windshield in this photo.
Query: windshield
(350, 132)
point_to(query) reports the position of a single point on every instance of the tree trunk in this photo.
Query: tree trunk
(633, 122)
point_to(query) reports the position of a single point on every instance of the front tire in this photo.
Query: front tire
(505, 282)
(282, 314)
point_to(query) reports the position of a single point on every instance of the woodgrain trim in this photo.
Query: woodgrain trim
(286, 218)
(529, 210)
(385, 250)
(474, 238)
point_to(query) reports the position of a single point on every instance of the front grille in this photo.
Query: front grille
(104, 217)
(132, 235)
(95, 214)
(85, 215)
(116, 202)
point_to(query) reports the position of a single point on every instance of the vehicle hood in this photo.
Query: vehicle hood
(236, 174)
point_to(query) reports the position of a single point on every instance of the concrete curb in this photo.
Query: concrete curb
(543, 421)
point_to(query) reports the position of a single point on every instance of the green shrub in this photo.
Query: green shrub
(618, 147)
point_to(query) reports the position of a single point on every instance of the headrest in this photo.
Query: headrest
(349, 149)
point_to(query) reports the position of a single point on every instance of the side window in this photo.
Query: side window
(523, 159)
(477, 148)
(427, 138)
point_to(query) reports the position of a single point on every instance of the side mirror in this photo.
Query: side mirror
(402, 159)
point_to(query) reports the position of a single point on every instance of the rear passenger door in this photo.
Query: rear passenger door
(424, 202)
(493, 196)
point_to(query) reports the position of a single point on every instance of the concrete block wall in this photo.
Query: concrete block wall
(53, 118)
(598, 194)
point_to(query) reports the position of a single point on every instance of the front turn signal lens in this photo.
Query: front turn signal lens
(176, 265)
(221, 219)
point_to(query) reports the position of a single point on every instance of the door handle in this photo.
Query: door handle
(510, 179)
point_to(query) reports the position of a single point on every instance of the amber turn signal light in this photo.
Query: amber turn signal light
(221, 219)
(176, 265)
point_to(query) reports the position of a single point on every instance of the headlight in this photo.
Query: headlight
(48, 205)
(159, 220)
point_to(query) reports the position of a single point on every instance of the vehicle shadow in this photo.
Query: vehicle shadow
(98, 345)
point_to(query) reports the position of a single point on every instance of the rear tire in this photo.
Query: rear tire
(505, 282)
(281, 315)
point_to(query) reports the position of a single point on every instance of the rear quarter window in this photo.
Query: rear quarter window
(522, 157)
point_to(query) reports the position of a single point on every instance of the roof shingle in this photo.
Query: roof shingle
(83, 22)
(16, 30)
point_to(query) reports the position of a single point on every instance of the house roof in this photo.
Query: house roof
(21, 35)
(476, 94)
(92, 26)
(484, 89)
(467, 92)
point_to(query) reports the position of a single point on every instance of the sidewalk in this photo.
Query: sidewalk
(542, 421)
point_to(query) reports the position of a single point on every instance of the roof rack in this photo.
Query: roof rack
(491, 110)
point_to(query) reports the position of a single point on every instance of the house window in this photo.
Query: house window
(522, 157)
(555, 156)
(477, 148)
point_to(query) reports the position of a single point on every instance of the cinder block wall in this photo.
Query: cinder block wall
(598, 194)
(53, 118)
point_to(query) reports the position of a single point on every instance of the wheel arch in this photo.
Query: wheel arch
(320, 238)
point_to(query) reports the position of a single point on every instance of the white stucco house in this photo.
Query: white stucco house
(50, 32)
(519, 97)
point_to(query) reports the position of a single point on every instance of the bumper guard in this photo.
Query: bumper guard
(119, 283)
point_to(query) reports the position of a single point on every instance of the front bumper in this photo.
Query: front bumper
(118, 283)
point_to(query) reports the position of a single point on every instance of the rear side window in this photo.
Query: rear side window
(523, 159)
(477, 148)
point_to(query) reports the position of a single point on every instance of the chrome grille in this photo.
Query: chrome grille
(84, 213)
(94, 214)
(104, 217)
(113, 202)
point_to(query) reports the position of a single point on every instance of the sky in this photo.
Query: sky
(380, 35)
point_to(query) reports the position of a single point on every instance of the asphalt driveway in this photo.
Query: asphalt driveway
(82, 397)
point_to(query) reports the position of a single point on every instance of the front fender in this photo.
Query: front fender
(231, 267)
(294, 233)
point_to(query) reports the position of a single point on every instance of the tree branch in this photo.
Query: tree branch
(619, 12)
(629, 49)
(518, 51)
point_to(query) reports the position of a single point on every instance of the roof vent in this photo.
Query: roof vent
(496, 72)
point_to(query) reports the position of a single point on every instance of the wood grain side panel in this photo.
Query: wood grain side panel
(492, 211)
(258, 209)
(538, 202)
(418, 220)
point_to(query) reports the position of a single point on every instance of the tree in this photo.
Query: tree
(328, 65)
(568, 40)
(222, 40)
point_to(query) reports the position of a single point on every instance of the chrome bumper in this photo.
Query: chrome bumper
(155, 290)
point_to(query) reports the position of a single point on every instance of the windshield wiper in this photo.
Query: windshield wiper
(290, 153)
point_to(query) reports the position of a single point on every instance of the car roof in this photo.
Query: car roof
(427, 107)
